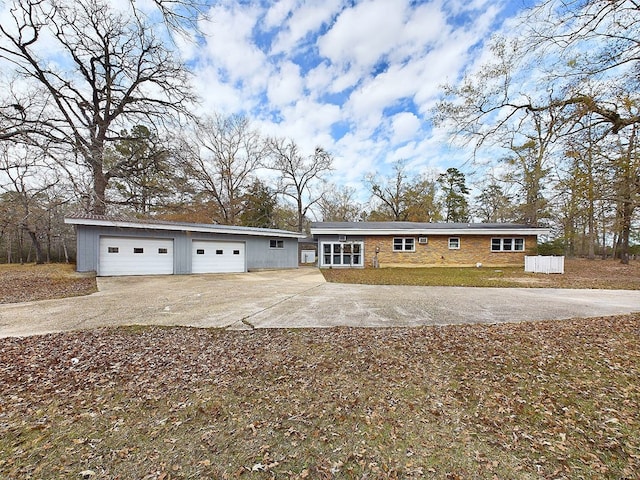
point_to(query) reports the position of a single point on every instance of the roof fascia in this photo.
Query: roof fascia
(184, 228)
(426, 233)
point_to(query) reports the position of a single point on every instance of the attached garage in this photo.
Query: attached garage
(124, 246)
(209, 256)
(135, 256)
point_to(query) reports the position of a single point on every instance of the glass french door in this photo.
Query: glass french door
(342, 254)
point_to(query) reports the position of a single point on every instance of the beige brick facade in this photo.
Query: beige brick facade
(473, 249)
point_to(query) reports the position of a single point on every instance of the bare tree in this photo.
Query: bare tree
(402, 197)
(299, 174)
(573, 69)
(27, 178)
(577, 57)
(110, 71)
(222, 161)
(626, 163)
(339, 205)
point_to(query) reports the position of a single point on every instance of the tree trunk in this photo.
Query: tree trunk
(37, 246)
(627, 211)
(604, 234)
(591, 238)
(64, 249)
(300, 214)
(98, 203)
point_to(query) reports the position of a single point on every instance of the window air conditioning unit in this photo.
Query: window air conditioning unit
(342, 238)
(422, 240)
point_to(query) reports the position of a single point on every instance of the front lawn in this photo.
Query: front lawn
(579, 273)
(523, 401)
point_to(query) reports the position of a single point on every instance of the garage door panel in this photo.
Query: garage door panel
(217, 257)
(135, 256)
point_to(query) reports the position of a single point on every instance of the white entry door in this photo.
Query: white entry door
(209, 256)
(135, 256)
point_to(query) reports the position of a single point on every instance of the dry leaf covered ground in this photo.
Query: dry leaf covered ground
(531, 400)
(25, 283)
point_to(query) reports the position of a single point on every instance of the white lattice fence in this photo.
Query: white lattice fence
(543, 264)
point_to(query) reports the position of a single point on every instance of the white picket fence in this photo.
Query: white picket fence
(543, 264)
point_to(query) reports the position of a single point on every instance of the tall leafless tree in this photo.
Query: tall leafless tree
(25, 178)
(402, 196)
(89, 71)
(221, 161)
(300, 175)
(573, 68)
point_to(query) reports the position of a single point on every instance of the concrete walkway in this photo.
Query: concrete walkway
(296, 299)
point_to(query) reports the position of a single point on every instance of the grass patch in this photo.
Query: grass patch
(530, 400)
(432, 276)
(579, 273)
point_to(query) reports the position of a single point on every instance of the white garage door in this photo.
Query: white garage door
(217, 257)
(135, 256)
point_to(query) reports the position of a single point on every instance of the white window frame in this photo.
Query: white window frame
(404, 243)
(337, 249)
(512, 243)
(457, 243)
(274, 243)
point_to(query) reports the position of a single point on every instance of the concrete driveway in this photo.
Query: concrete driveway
(299, 298)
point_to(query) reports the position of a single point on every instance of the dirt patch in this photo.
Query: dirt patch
(26, 283)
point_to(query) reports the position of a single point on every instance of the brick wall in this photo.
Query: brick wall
(473, 249)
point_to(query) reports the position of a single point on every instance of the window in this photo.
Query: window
(138, 250)
(454, 243)
(236, 252)
(200, 251)
(219, 252)
(276, 243)
(404, 245)
(113, 249)
(342, 254)
(507, 244)
(163, 251)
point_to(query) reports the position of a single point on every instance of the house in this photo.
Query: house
(121, 246)
(409, 244)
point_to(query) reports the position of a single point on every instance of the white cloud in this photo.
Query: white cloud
(285, 86)
(217, 96)
(278, 13)
(230, 46)
(310, 120)
(404, 125)
(363, 34)
(304, 19)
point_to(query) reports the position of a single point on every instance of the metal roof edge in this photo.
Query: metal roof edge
(187, 227)
(424, 232)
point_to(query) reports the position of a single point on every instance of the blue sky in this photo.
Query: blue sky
(358, 78)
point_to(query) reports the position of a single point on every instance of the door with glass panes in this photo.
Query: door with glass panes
(342, 254)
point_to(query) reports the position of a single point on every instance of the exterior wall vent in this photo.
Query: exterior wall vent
(342, 238)
(422, 240)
